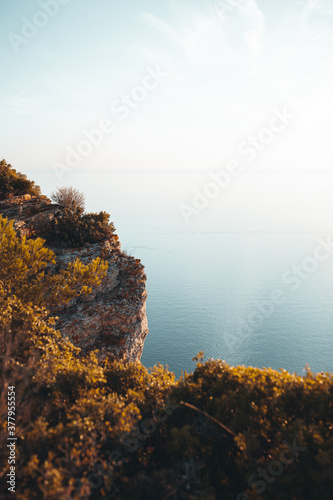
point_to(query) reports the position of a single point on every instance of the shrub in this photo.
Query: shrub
(69, 198)
(13, 183)
(74, 229)
(95, 227)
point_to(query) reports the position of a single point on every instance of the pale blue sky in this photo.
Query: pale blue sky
(225, 75)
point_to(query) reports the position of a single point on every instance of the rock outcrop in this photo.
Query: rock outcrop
(113, 317)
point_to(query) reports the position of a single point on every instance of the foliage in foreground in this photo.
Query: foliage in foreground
(13, 183)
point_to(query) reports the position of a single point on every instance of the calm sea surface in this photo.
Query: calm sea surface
(212, 291)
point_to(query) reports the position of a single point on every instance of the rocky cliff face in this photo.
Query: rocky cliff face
(113, 317)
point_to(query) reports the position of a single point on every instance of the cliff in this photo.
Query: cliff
(113, 317)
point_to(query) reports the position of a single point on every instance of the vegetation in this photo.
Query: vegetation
(117, 431)
(120, 431)
(25, 271)
(69, 198)
(14, 183)
(76, 228)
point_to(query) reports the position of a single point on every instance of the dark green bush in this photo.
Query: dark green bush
(74, 229)
(13, 183)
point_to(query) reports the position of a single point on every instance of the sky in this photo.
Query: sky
(123, 98)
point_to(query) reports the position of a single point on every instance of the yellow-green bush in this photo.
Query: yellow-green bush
(26, 271)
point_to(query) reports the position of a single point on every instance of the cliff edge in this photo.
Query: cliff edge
(113, 317)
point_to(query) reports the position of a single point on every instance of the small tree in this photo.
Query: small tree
(70, 199)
